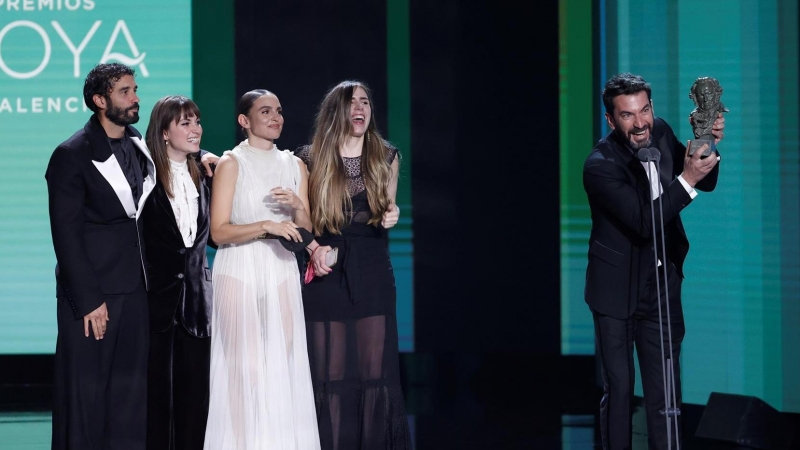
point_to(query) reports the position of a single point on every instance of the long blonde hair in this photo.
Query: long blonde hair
(167, 110)
(331, 205)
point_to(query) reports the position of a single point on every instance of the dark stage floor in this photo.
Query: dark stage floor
(460, 402)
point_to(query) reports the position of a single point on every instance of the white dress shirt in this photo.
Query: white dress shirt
(655, 183)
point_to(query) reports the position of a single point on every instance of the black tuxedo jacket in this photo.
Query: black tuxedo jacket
(179, 277)
(621, 259)
(93, 218)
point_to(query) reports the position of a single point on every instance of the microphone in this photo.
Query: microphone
(671, 409)
(648, 154)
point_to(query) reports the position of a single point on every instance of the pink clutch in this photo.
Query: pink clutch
(309, 273)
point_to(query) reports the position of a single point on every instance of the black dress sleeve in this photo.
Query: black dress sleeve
(391, 153)
(304, 153)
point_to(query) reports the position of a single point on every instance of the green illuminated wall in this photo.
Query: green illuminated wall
(401, 248)
(188, 48)
(742, 291)
(576, 137)
(46, 49)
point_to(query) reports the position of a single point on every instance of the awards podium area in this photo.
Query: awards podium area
(494, 107)
(497, 401)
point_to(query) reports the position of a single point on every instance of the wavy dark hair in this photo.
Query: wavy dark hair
(623, 84)
(166, 111)
(101, 80)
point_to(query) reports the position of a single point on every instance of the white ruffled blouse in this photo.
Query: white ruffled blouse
(184, 201)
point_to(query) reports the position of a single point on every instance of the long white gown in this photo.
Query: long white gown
(261, 395)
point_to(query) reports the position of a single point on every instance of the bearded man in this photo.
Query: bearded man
(624, 279)
(97, 182)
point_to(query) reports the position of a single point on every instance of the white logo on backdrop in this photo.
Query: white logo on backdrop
(137, 58)
(120, 33)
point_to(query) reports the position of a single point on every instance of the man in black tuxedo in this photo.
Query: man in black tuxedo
(98, 181)
(621, 277)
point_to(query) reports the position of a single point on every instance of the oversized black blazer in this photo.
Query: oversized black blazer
(179, 277)
(94, 220)
(621, 244)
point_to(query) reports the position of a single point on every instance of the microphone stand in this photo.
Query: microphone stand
(671, 410)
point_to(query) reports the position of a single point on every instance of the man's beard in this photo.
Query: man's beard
(635, 145)
(119, 116)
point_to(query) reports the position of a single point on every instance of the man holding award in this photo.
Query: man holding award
(638, 179)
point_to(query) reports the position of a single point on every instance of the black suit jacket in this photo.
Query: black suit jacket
(621, 244)
(93, 218)
(180, 280)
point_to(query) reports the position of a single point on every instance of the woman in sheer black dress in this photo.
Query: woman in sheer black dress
(350, 306)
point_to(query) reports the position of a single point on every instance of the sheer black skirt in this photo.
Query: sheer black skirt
(353, 346)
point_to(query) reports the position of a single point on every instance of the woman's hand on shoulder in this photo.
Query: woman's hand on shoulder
(208, 160)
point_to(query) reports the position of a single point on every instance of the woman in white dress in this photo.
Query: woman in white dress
(260, 395)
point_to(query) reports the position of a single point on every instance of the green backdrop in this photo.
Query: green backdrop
(742, 290)
(46, 49)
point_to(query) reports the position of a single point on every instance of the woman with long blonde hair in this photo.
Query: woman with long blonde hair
(350, 298)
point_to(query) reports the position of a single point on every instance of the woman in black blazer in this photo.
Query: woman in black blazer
(180, 295)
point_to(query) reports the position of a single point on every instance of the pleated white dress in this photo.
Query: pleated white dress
(261, 395)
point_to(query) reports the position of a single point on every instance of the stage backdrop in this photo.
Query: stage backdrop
(740, 296)
(46, 49)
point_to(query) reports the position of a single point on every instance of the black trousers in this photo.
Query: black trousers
(100, 386)
(177, 397)
(615, 340)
